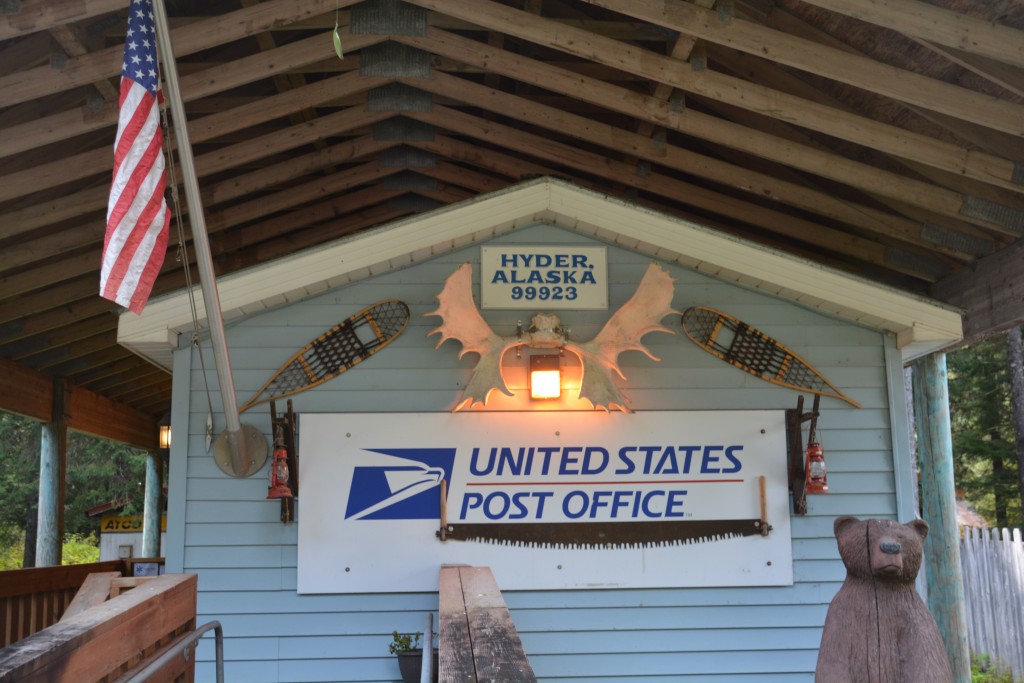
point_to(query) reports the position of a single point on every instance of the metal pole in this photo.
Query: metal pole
(427, 667)
(239, 452)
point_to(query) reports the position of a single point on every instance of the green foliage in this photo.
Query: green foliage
(984, 458)
(80, 549)
(404, 642)
(984, 670)
(12, 547)
(98, 471)
(19, 469)
(75, 550)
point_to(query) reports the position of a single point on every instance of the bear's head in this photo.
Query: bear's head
(881, 548)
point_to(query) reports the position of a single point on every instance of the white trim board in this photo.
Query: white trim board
(919, 324)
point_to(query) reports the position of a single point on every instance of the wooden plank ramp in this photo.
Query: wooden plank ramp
(478, 640)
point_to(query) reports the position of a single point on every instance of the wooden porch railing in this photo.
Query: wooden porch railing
(32, 599)
(113, 639)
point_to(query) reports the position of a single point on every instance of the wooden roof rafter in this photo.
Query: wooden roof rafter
(884, 139)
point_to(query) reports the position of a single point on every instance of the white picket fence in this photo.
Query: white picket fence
(993, 567)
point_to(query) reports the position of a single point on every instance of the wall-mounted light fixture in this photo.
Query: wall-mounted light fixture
(545, 376)
(164, 433)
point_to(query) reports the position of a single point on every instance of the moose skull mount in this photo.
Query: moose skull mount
(460, 320)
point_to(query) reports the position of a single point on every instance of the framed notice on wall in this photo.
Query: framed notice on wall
(545, 277)
(547, 500)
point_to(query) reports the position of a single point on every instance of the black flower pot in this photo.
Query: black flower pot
(410, 664)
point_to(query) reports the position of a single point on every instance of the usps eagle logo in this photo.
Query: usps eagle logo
(402, 483)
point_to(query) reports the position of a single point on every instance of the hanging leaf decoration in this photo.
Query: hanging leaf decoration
(337, 41)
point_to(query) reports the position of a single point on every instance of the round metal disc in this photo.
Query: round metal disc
(256, 445)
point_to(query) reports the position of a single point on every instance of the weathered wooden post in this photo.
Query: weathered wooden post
(52, 469)
(938, 507)
(151, 506)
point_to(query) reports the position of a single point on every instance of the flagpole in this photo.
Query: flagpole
(240, 460)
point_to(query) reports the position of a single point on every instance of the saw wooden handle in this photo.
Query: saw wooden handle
(764, 505)
(443, 531)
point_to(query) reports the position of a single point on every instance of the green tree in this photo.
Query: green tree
(985, 460)
(98, 471)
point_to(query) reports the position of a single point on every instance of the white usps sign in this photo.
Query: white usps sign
(547, 500)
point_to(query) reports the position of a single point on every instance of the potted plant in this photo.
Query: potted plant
(407, 647)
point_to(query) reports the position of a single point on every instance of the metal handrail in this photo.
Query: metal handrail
(181, 648)
(427, 667)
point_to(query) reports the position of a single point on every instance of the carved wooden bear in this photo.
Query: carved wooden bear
(878, 630)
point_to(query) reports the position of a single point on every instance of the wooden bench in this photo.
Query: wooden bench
(478, 641)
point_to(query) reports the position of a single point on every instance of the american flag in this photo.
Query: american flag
(137, 215)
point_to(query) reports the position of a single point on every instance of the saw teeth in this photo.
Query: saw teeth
(574, 535)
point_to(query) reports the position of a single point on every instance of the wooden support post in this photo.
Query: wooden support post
(151, 506)
(938, 506)
(52, 469)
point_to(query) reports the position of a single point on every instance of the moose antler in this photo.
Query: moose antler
(462, 321)
(651, 302)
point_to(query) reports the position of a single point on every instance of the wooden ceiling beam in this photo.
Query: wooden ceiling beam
(111, 374)
(579, 160)
(80, 263)
(18, 346)
(85, 260)
(740, 93)
(700, 198)
(97, 162)
(335, 209)
(30, 393)
(13, 308)
(620, 30)
(1009, 78)
(771, 74)
(811, 57)
(69, 40)
(31, 250)
(196, 36)
(44, 320)
(281, 200)
(316, 235)
(937, 24)
(66, 361)
(29, 16)
(154, 390)
(55, 312)
(465, 177)
(702, 126)
(25, 220)
(24, 53)
(760, 184)
(991, 292)
(109, 419)
(196, 86)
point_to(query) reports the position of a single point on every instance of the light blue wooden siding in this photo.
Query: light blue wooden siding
(225, 531)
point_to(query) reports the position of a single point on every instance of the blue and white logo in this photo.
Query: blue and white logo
(403, 483)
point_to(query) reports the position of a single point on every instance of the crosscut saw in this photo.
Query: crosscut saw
(607, 534)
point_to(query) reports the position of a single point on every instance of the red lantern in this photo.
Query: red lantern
(816, 475)
(279, 475)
